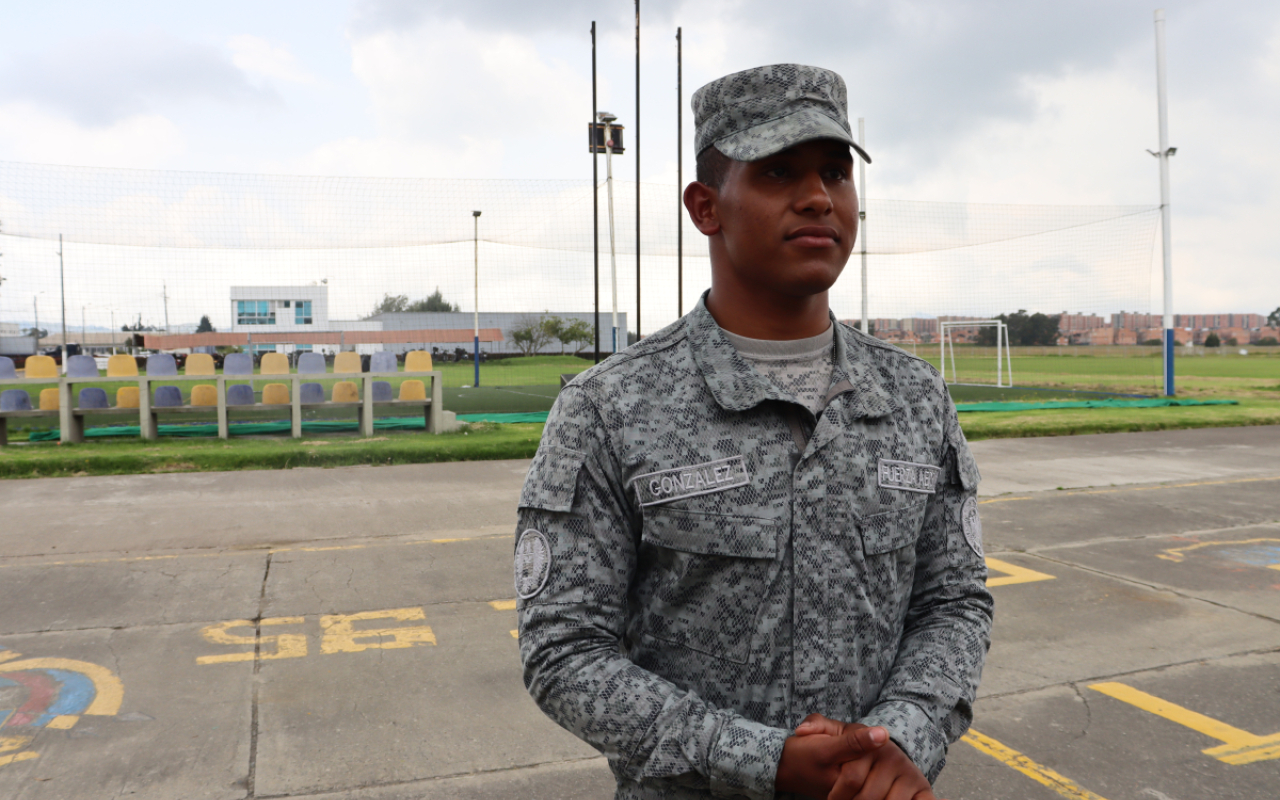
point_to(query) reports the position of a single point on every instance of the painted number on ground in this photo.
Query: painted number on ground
(287, 637)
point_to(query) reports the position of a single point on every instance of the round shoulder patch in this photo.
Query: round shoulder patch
(972, 524)
(533, 563)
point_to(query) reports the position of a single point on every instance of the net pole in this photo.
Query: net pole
(637, 146)
(475, 216)
(862, 215)
(595, 191)
(1000, 337)
(62, 288)
(1166, 240)
(613, 239)
(679, 176)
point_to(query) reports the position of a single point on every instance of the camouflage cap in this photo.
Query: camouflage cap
(761, 111)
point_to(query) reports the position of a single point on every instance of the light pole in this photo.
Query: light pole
(1166, 241)
(475, 216)
(608, 119)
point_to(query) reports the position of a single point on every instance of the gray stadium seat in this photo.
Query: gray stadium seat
(161, 365)
(311, 393)
(381, 391)
(311, 364)
(166, 396)
(82, 367)
(382, 361)
(237, 364)
(6, 368)
(241, 394)
(15, 400)
(93, 397)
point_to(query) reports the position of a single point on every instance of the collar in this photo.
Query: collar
(737, 386)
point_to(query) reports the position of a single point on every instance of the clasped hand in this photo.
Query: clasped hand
(848, 761)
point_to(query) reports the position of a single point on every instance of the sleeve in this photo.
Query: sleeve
(927, 702)
(575, 558)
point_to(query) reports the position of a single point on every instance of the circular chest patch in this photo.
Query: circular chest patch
(533, 563)
(972, 524)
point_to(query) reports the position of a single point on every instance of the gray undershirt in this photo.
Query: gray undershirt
(798, 367)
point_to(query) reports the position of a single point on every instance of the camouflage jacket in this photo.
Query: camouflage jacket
(700, 563)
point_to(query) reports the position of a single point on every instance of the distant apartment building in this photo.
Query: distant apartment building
(1069, 323)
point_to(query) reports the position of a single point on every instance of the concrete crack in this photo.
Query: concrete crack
(257, 667)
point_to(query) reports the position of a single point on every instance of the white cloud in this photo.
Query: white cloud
(30, 133)
(257, 56)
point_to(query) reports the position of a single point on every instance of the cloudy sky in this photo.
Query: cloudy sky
(994, 102)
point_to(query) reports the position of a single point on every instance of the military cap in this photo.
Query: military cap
(755, 113)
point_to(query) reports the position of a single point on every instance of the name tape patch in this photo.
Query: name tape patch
(681, 482)
(908, 476)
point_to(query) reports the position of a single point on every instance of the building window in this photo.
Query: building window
(302, 312)
(255, 312)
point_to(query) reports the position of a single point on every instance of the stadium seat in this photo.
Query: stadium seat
(413, 390)
(49, 398)
(417, 361)
(171, 396)
(236, 364)
(382, 392)
(197, 364)
(274, 364)
(92, 397)
(346, 392)
(82, 367)
(311, 364)
(311, 393)
(15, 400)
(126, 396)
(122, 366)
(42, 367)
(205, 395)
(160, 365)
(383, 361)
(347, 362)
(239, 395)
(6, 368)
(275, 394)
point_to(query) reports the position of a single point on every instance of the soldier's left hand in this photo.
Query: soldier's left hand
(885, 774)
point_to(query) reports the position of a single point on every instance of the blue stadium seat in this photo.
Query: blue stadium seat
(82, 367)
(15, 399)
(382, 361)
(311, 364)
(237, 364)
(93, 397)
(161, 365)
(6, 368)
(166, 396)
(241, 394)
(311, 393)
(381, 391)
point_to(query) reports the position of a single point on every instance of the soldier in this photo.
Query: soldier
(748, 558)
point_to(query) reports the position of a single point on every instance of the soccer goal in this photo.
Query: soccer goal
(1004, 357)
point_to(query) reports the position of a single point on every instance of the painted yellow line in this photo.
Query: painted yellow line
(515, 634)
(63, 722)
(1037, 772)
(1274, 566)
(1239, 746)
(1014, 574)
(6, 655)
(1122, 489)
(26, 756)
(503, 605)
(1179, 554)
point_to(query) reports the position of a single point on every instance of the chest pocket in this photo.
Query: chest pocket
(893, 529)
(704, 578)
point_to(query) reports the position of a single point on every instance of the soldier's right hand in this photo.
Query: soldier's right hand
(811, 761)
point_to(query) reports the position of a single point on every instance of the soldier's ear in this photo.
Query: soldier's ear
(702, 201)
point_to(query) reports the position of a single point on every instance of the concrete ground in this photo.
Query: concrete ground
(347, 633)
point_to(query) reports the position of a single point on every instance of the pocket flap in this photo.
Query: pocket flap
(552, 479)
(711, 534)
(892, 529)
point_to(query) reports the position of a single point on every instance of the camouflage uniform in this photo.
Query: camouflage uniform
(701, 562)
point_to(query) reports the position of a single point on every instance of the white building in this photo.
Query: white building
(291, 309)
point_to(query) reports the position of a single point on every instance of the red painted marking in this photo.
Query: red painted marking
(42, 692)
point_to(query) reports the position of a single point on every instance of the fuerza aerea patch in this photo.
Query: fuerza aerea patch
(907, 475)
(680, 482)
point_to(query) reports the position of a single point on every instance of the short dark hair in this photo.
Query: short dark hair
(712, 167)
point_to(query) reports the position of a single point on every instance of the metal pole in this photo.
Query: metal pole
(36, 305)
(679, 176)
(637, 147)
(862, 218)
(613, 249)
(595, 191)
(475, 216)
(113, 331)
(62, 286)
(166, 307)
(1166, 240)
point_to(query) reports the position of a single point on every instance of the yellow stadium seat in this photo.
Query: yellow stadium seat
(348, 361)
(42, 367)
(417, 361)
(122, 366)
(346, 392)
(275, 394)
(413, 390)
(204, 394)
(275, 364)
(48, 397)
(199, 364)
(126, 396)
